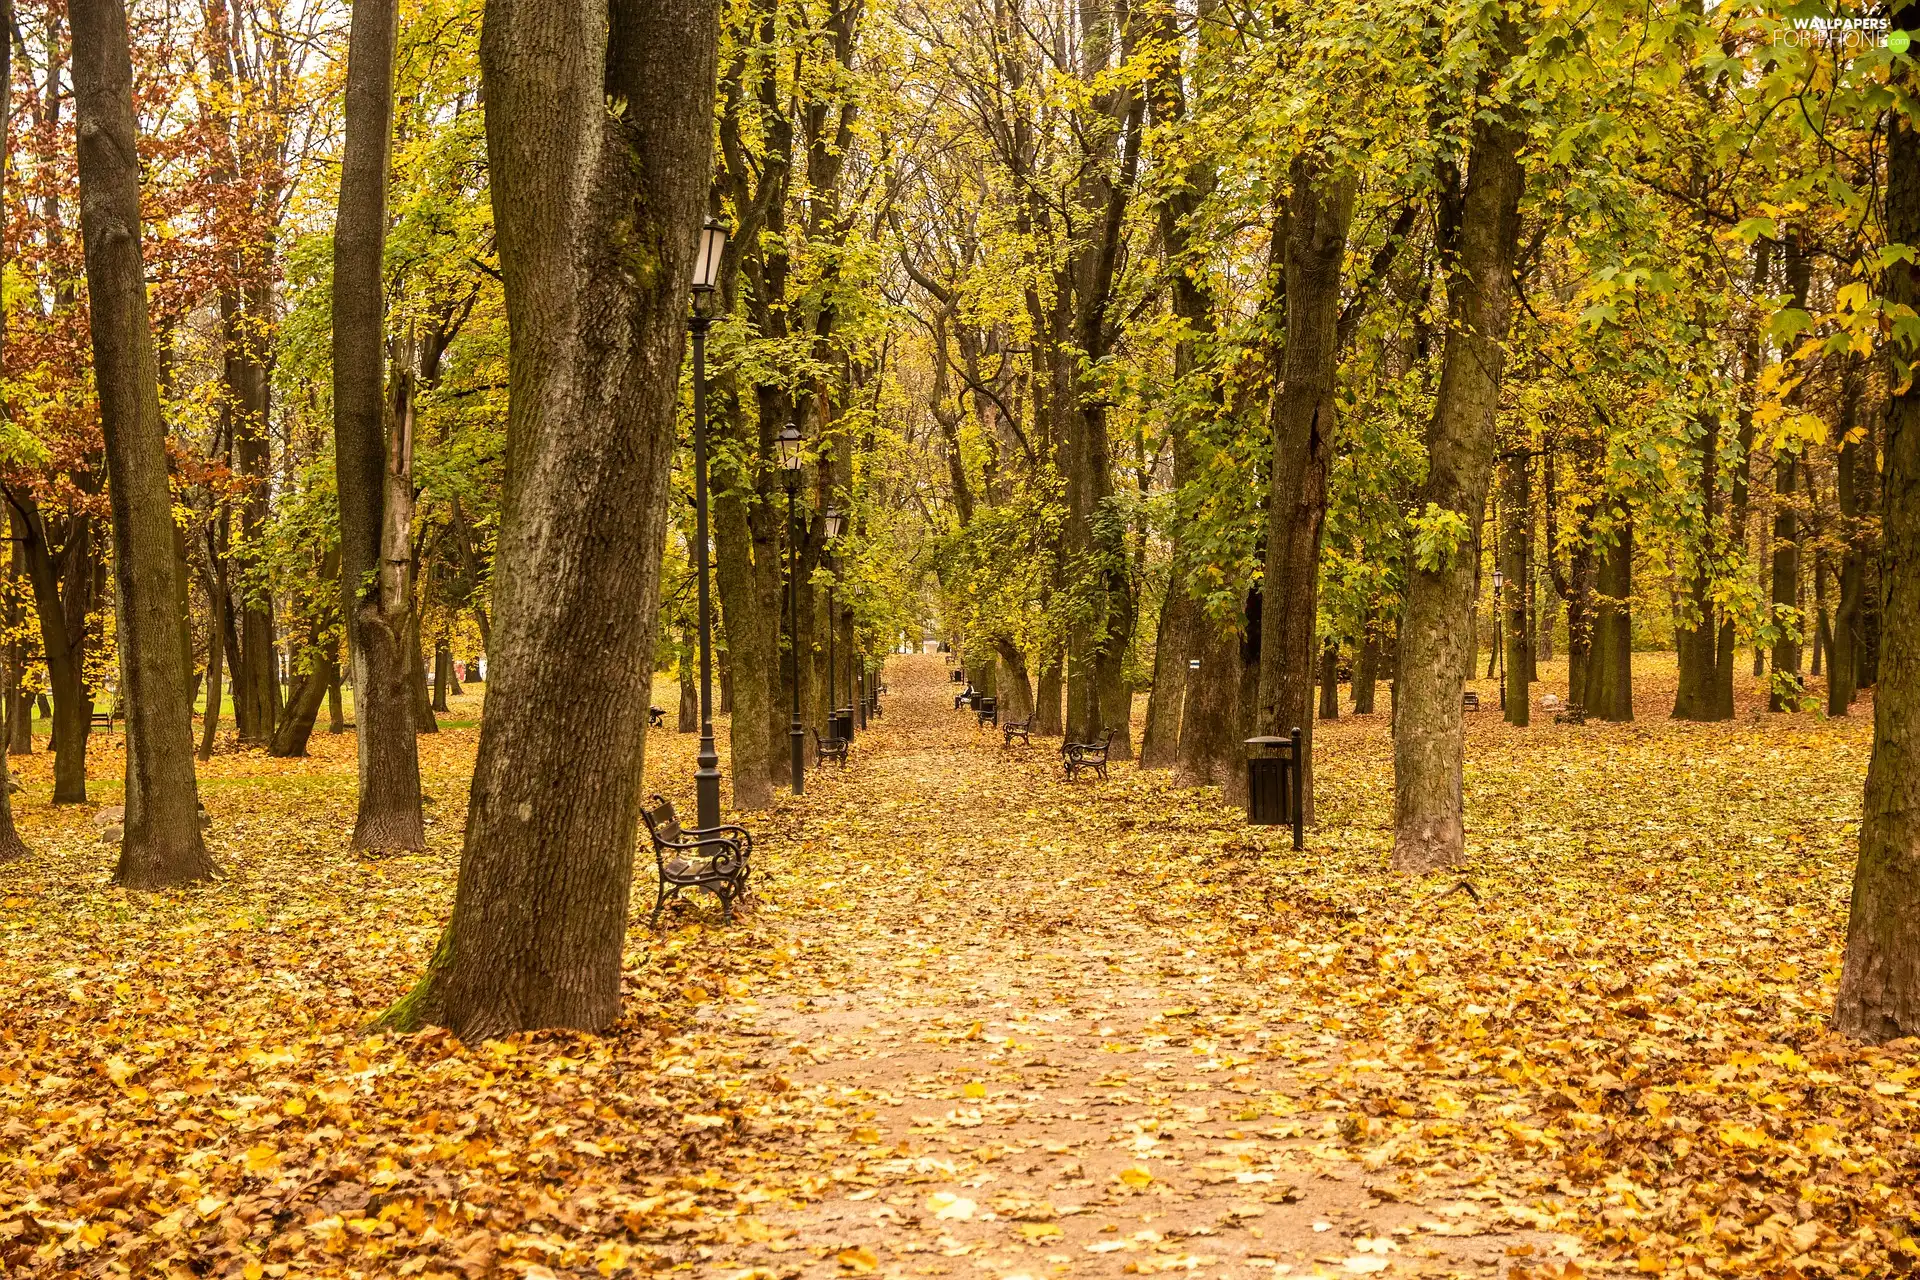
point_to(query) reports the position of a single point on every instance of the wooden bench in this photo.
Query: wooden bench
(1469, 701)
(1077, 757)
(1021, 729)
(987, 711)
(105, 718)
(829, 749)
(717, 859)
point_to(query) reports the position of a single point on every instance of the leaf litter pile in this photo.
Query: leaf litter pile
(986, 1022)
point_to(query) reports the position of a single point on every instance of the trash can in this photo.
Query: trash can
(988, 711)
(1274, 783)
(843, 724)
(973, 698)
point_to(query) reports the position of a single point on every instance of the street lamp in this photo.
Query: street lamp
(834, 522)
(792, 455)
(706, 272)
(1499, 640)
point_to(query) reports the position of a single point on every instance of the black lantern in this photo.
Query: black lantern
(836, 523)
(792, 451)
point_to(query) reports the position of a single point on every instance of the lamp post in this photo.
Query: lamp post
(1499, 643)
(834, 521)
(791, 457)
(706, 271)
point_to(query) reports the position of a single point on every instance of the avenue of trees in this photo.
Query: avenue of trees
(1220, 350)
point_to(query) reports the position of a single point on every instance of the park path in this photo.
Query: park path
(1008, 1049)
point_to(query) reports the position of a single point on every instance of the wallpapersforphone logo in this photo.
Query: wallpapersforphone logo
(1842, 33)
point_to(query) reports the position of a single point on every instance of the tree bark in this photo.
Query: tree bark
(160, 845)
(1516, 562)
(442, 674)
(216, 691)
(1879, 997)
(388, 814)
(599, 122)
(15, 704)
(1609, 693)
(1330, 681)
(1366, 670)
(1319, 211)
(1843, 670)
(1429, 741)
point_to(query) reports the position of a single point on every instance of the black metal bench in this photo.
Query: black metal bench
(1469, 701)
(825, 749)
(1021, 729)
(1078, 757)
(987, 711)
(104, 719)
(656, 716)
(964, 698)
(717, 859)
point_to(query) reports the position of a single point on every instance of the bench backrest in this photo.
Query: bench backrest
(662, 822)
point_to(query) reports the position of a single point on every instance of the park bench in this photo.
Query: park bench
(105, 719)
(717, 859)
(1078, 757)
(1469, 701)
(825, 749)
(656, 716)
(964, 698)
(987, 711)
(1021, 729)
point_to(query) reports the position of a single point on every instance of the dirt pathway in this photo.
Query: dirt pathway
(1011, 1051)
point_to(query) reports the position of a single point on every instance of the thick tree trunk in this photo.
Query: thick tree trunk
(1429, 741)
(336, 705)
(747, 684)
(1879, 996)
(1695, 635)
(1319, 210)
(388, 814)
(1785, 582)
(1210, 750)
(1014, 684)
(1160, 740)
(1516, 540)
(1609, 693)
(598, 130)
(1046, 698)
(160, 845)
(1843, 667)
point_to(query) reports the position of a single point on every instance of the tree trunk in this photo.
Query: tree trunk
(1429, 740)
(1785, 582)
(210, 715)
(1366, 671)
(442, 674)
(1210, 750)
(1516, 540)
(1843, 671)
(419, 688)
(598, 131)
(1319, 210)
(1879, 996)
(1015, 685)
(1330, 681)
(336, 709)
(160, 845)
(303, 710)
(388, 813)
(12, 704)
(747, 684)
(1609, 693)
(1046, 707)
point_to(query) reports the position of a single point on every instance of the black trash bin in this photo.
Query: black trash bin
(843, 724)
(1274, 783)
(988, 710)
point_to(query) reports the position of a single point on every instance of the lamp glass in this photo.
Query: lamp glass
(706, 262)
(836, 522)
(791, 448)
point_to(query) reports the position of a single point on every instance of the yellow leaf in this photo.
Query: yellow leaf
(1823, 1140)
(1035, 1232)
(973, 1089)
(295, 1107)
(857, 1260)
(1135, 1176)
(261, 1158)
(119, 1070)
(945, 1204)
(1741, 1135)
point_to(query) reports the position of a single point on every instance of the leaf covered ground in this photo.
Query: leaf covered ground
(985, 1022)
